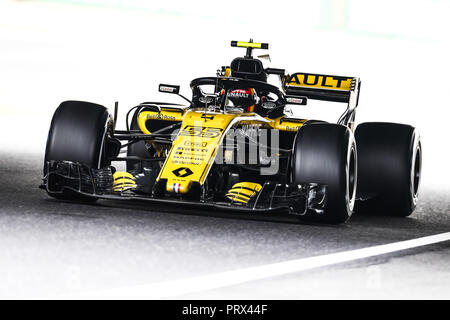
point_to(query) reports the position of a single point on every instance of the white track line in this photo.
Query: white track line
(175, 288)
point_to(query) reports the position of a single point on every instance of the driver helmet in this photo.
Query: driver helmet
(244, 99)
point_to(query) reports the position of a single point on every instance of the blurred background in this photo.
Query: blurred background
(119, 50)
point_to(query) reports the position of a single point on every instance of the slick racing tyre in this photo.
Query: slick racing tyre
(325, 153)
(389, 168)
(77, 134)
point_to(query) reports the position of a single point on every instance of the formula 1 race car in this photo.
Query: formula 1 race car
(233, 147)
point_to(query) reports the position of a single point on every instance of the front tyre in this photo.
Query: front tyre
(77, 134)
(325, 153)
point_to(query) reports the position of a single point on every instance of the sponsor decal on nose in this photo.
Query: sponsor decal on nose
(182, 172)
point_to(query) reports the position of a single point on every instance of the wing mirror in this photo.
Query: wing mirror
(169, 88)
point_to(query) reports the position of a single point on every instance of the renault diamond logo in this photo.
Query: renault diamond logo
(182, 172)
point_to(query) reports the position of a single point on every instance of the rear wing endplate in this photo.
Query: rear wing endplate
(323, 87)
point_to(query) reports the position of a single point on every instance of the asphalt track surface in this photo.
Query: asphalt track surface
(50, 248)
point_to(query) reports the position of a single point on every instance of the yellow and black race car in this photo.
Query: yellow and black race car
(232, 146)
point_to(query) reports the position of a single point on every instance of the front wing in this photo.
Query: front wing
(296, 199)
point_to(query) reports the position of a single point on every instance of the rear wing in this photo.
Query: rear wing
(323, 87)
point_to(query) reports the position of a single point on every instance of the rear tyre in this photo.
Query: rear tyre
(389, 168)
(77, 133)
(325, 153)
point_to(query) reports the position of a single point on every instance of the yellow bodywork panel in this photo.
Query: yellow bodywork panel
(320, 81)
(194, 149)
(286, 124)
(123, 181)
(167, 114)
(244, 44)
(243, 191)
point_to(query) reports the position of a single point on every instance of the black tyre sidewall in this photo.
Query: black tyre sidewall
(388, 153)
(322, 155)
(77, 134)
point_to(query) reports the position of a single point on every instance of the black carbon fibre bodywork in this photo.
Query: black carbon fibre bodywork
(296, 199)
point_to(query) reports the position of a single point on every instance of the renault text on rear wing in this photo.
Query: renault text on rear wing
(321, 86)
